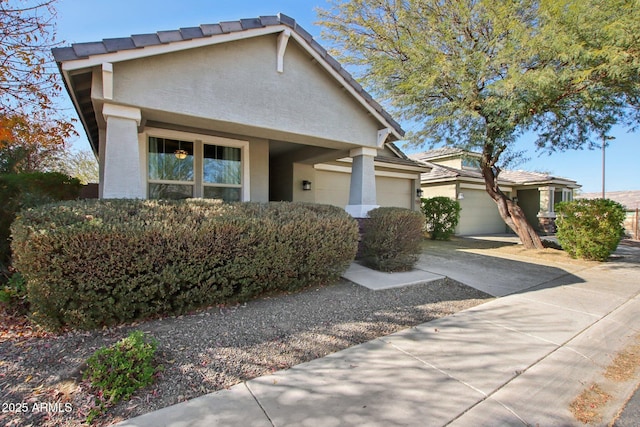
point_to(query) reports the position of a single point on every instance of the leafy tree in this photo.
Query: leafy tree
(81, 165)
(27, 75)
(32, 144)
(479, 73)
(29, 79)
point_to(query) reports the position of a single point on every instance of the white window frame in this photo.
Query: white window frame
(198, 164)
(211, 184)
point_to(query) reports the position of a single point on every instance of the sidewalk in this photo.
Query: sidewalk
(517, 360)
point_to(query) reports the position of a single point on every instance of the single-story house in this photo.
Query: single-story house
(248, 110)
(456, 174)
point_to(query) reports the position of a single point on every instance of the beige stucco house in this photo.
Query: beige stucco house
(455, 174)
(249, 110)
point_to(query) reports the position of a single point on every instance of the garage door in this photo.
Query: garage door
(479, 214)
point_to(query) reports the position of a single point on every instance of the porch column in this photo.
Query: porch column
(546, 215)
(547, 200)
(122, 174)
(362, 190)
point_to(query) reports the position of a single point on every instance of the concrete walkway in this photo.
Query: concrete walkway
(516, 360)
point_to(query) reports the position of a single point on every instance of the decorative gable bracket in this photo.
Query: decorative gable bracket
(383, 134)
(283, 40)
(107, 80)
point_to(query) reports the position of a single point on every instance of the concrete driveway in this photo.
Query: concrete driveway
(517, 360)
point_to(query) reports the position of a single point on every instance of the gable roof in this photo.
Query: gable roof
(87, 55)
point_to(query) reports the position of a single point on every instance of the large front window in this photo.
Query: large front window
(180, 169)
(170, 169)
(222, 173)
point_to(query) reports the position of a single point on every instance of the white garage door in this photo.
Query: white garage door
(479, 214)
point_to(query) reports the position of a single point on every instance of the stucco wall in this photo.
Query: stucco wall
(303, 172)
(441, 190)
(332, 188)
(259, 169)
(237, 83)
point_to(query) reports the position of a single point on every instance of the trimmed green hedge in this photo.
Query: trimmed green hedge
(590, 229)
(101, 262)
(26, 190)
(392, 239)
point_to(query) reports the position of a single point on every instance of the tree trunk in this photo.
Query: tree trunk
(511, 213)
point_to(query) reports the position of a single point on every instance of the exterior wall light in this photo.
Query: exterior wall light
(419, 193)
(460, 196)
(306, 185)
(181, 154)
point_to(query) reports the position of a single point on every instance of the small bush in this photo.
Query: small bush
(590, 229)
(118, 371)
(26, 190)
(392, 239)
(442, 215)
(13, 296)
(101, 262)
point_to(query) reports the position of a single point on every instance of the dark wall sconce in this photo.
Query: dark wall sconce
(306, 185)
(419, 193)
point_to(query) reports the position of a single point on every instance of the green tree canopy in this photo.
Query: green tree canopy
(479, 73)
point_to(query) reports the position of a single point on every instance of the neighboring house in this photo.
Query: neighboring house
(249, 110)
(631, 202)
(455, 174)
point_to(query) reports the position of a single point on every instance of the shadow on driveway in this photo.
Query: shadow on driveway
(482, 265)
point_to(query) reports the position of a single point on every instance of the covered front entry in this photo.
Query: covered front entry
(238, 110)
(326, 176)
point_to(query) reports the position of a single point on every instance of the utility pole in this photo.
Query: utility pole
(605, 138)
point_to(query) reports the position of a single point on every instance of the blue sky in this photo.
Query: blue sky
(91, 20)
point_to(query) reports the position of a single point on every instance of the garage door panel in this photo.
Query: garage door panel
(479, 214)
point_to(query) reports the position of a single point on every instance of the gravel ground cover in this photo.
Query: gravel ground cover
(40, 374)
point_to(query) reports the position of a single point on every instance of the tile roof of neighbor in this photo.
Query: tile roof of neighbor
(506, 176)
(440, 152)
(628, 199)
(84, 50)
(440, 172)
(525, 177)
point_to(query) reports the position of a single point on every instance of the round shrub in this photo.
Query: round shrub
(100, 262)
(442, 215)
(590, 229)
(392, 239)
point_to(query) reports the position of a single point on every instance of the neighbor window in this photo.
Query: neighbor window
(170, 169)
